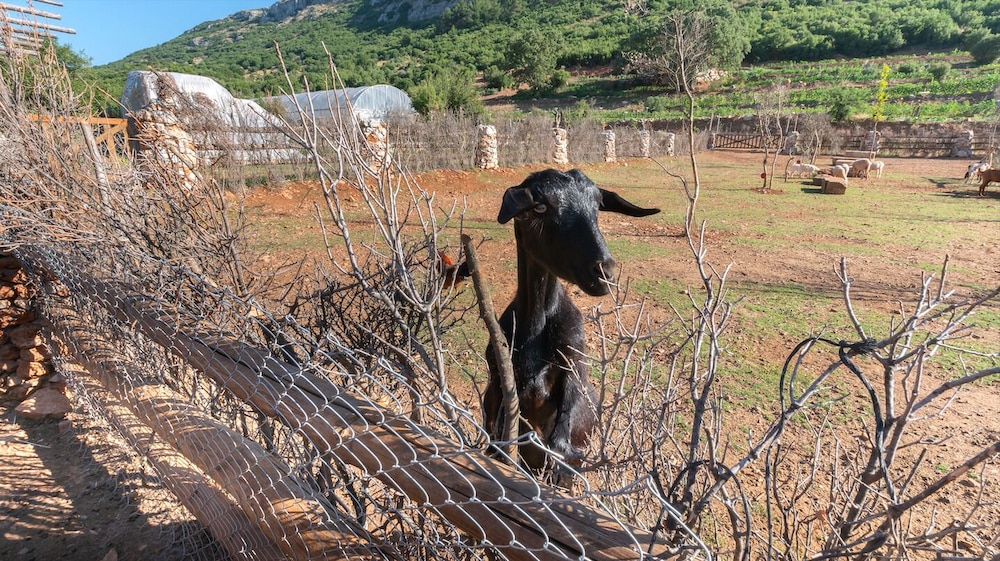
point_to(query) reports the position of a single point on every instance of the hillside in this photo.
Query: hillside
(410, 44)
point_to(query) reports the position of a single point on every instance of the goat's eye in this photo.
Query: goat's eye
(540, 208)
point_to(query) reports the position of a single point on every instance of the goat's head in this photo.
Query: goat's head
(557, 214)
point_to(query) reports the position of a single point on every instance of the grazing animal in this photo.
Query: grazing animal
(860, 168)
(799, 169)
(839, 170)
(557, 237)
(988, 175)
(975, 171)
(877, 167)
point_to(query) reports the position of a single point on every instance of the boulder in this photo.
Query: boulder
(834, 186)
(44, 404)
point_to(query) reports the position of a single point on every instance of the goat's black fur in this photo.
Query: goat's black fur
(557, 236)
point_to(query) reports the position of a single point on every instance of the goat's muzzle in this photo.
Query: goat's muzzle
(603, 275)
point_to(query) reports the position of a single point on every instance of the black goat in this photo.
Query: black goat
(555, 228)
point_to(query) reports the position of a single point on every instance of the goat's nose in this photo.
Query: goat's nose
(605, 269)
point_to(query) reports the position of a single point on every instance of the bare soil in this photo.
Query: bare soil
(71, 490)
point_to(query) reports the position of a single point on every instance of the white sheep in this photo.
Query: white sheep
(860, 168)
(877, 167)
(839, 170)
(801, 170)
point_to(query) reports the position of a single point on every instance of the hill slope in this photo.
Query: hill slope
(405, 43)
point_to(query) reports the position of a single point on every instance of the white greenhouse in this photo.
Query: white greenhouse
(366, 103)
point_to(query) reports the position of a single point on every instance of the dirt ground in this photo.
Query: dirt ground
(70, 490)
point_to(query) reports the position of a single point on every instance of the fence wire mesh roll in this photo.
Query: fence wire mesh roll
(284, 460)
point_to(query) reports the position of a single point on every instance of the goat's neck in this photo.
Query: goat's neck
(538, 290)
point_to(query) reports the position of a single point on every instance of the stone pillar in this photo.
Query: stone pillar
(961, 146)
(671, 140)
(610, 151)
(163, 141)
(379, 154)
(791, 144)
(643, 144)
(486, 147)
(560, 146)
(166, 145)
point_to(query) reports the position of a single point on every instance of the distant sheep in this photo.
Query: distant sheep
(860, 168)
(803, 170)
(877, 167)
(839, 170)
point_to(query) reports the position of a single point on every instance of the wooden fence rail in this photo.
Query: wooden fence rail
(484, 498)
(742, 141)
(108, 133)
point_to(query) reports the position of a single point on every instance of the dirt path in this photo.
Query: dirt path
(71, 490)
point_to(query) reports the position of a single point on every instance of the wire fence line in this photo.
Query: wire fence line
(432, 497)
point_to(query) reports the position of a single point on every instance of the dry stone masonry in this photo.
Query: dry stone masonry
(560, 146)
(487, 148)
(25, 357)
(610, 150)
(962, 145)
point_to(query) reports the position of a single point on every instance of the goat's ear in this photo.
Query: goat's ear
(613, 202)
(515, 201)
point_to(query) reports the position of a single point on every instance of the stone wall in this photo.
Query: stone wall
(25, 357)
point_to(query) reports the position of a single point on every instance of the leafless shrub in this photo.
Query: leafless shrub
(384, 291)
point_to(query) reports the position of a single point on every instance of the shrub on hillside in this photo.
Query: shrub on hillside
(986, 50)
(939, 70)
(843, 103)
(497, 79)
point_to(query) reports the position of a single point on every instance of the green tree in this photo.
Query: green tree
(844, 102)
(984, 46)
(724, 42)
(531, 57)
(451, 90)
(939, 70)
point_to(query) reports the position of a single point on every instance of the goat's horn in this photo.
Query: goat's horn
(613, 202)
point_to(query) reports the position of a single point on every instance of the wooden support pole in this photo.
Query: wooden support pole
(501, 351)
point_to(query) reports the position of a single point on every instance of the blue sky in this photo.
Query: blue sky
(108, 30)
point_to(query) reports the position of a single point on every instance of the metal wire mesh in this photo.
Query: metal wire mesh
(326, 470)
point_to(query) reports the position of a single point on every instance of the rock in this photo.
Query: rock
(834, 186)
(8, 351)
(36, 354)
(9, 262)
(26, 336)
(44, 404)
(30, 370)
